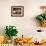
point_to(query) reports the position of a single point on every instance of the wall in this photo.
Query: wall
(26, 25)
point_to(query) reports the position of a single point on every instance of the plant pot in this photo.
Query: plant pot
(13, 38)
(9, 41)
(43, 23)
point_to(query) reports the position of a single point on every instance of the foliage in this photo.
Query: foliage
(11, 31)
(41, 17)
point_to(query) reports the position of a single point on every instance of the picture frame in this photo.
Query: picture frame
(17, 11)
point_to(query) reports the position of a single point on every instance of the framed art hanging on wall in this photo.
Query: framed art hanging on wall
(17, 11)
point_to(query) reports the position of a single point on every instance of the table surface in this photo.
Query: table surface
(31, 45)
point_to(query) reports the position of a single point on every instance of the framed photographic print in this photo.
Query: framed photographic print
(17, 11)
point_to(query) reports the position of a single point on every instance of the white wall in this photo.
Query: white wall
(26, 25)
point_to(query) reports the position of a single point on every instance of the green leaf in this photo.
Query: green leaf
(40, 18)
(45, 16)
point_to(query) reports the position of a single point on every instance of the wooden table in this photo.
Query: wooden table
(25, 44)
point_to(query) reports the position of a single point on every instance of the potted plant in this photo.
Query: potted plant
(42, 17)
(10, 31)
